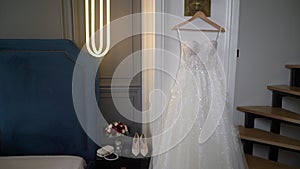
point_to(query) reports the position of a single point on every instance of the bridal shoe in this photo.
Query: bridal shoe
(136, 145)
(143, 145)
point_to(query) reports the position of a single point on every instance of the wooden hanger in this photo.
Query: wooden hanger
(202, 16)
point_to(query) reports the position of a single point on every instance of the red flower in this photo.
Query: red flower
(116, 129)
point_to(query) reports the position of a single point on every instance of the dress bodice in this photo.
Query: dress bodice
(202, 61)
(198, 56)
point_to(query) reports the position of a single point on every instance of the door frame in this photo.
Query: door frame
(148, 61)
(233, 15)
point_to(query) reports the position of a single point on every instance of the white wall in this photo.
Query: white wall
(268, 39)
(30, 19)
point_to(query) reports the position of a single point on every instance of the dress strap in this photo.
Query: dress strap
(179, 35)
(180, 49)
(180, 43)
(218, 35)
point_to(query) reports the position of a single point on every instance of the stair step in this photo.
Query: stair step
(286, 89)
(260, 163)
(293, 66)
(265, 137)
(272, 112)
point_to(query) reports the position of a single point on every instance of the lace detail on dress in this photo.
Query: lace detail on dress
(194, 55)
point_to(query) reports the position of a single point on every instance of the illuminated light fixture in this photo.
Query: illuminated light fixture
(90, 27)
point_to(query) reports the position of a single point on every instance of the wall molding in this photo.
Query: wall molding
(120, 93)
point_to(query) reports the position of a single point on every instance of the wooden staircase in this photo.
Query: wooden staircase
(260, 163)
(277, 115)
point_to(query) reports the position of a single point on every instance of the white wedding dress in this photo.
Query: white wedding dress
(197, 131)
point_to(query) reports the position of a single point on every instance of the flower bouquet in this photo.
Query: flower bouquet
(116, 129)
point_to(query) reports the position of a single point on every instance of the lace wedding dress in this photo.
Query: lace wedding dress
(197, 131)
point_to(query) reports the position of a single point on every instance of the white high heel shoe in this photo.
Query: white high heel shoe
(143, 145)
(136, 145)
